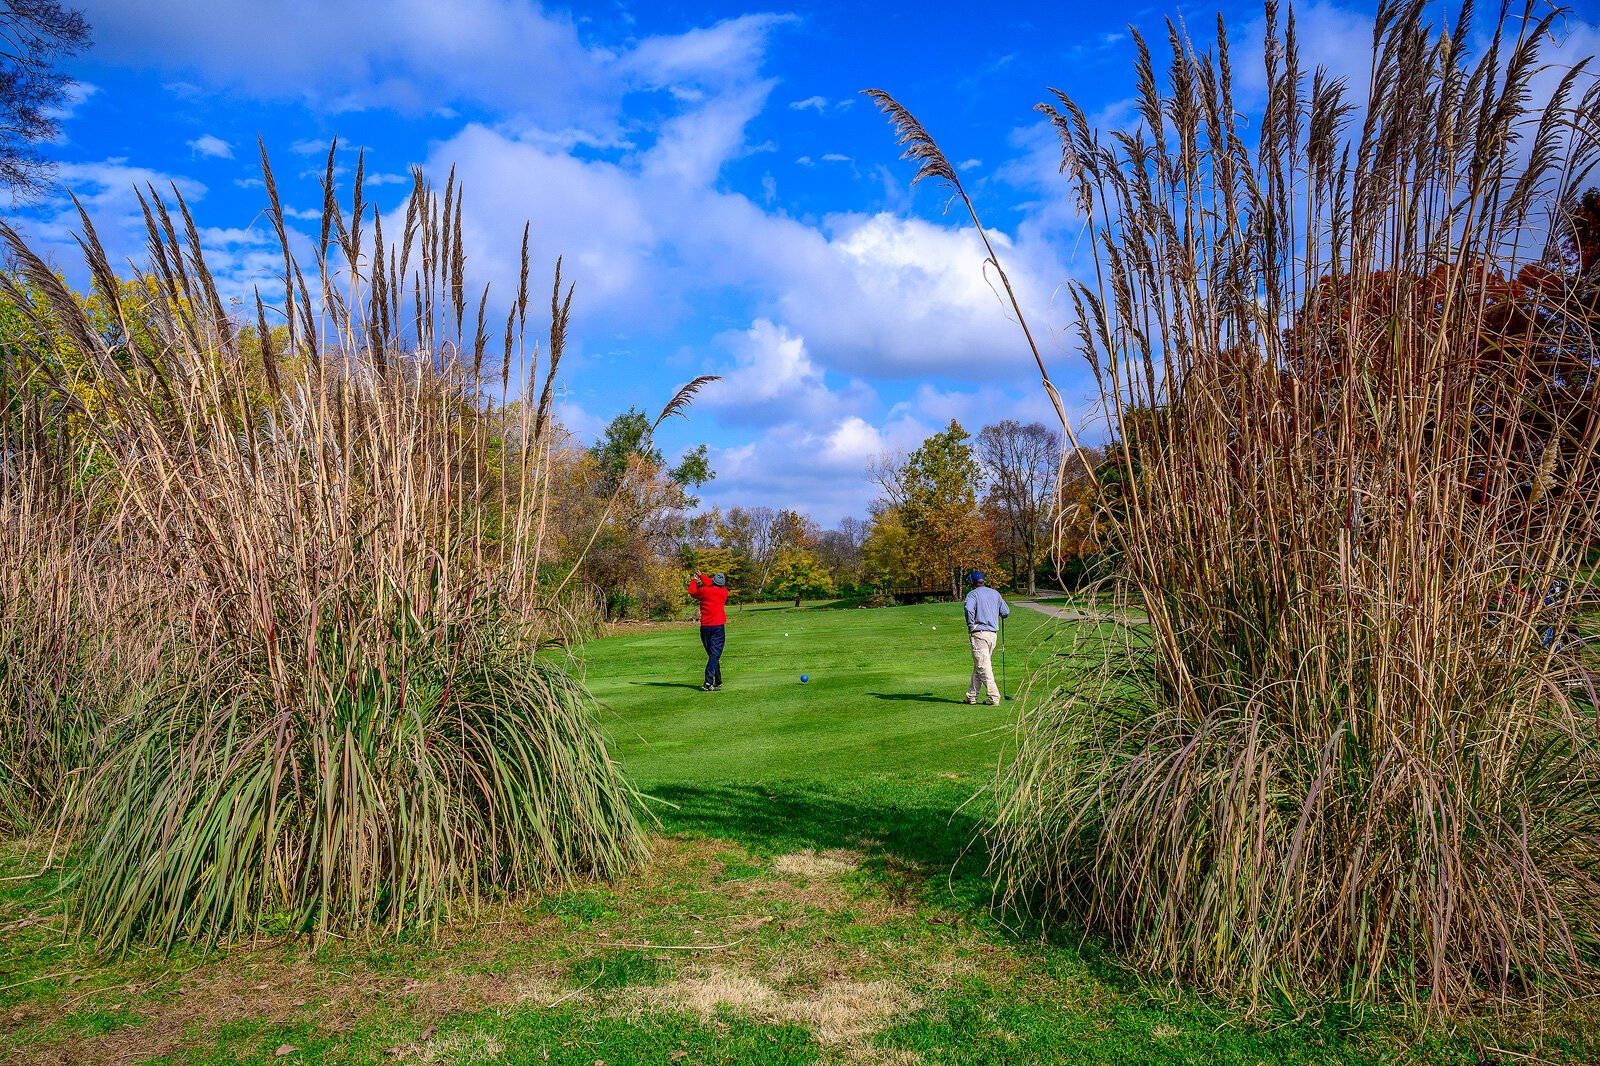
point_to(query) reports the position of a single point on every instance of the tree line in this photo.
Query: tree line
(956, 503)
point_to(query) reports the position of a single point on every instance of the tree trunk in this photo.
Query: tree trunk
(1032, 548)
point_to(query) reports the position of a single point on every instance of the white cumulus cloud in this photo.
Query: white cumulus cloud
(773, 379)
(211, 147)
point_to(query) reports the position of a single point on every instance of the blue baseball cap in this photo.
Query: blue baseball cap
(976, 577)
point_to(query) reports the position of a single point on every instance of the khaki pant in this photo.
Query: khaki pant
(982, 667)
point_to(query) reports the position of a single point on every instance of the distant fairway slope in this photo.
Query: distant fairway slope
(884, 699)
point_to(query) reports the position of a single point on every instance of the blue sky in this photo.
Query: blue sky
(725, 199)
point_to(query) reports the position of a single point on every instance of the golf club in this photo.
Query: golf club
(1003, 658)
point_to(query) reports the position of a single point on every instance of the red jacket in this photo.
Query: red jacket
(711, 600)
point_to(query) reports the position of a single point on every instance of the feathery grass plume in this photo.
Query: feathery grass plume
(560, 311)
(269, 596)
(1353, 751)
(680, 403)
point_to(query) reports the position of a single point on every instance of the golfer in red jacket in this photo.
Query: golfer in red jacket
(712, 594)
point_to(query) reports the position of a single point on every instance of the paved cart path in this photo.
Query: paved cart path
(1076, 616)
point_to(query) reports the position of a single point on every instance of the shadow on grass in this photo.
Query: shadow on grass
(895, 827)
(914, 697)
(920, 841)
(666, 684)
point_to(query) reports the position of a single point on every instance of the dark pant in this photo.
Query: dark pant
(713, 637)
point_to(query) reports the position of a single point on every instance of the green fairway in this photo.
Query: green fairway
(884, 697)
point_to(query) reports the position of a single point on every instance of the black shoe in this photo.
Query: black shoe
(708, 688)
(717, 687)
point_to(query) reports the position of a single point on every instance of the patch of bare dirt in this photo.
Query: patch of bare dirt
(839, 1012)
(812, 865)
(813, 879)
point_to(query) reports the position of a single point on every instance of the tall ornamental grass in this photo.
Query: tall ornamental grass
(1354, 751)
(330, 523)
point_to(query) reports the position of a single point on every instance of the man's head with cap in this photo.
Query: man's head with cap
(976, 577)
(720, 580)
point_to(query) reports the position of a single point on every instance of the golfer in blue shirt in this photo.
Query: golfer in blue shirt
(985, 608)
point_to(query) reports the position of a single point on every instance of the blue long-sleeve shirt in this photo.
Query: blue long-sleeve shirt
(985, 608)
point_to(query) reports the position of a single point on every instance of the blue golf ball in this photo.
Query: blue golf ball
(804, 677)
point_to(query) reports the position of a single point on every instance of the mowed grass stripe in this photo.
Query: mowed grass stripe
(885, 696)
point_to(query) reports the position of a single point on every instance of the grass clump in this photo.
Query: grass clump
(321, 542)
(1352, 751)
(1357, 402)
